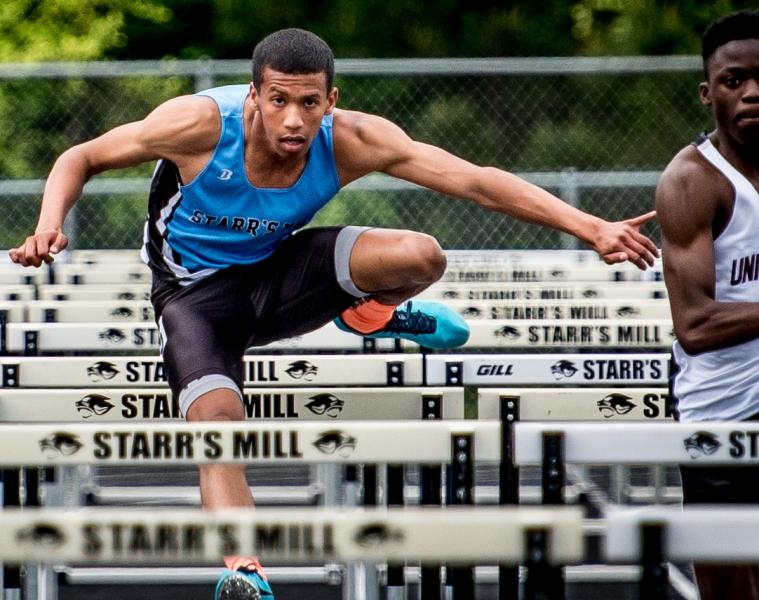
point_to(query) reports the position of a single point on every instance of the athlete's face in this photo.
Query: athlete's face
(732, 90)
(291, 109)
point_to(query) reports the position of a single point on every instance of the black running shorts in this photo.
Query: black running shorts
(207, 326)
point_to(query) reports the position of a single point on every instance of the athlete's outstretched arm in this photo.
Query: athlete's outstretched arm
(167, 132)
(369, 143)
(688, 198)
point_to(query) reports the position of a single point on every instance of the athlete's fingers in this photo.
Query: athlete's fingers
(43, 251)
(60, 243)
(639, 253)
(612, 258)
(646, 242)
(642, 219)
(30, 252)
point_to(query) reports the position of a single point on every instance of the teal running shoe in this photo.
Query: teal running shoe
(242, 585)
(429, 324)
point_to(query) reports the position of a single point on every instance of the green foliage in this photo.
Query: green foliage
(33, 30)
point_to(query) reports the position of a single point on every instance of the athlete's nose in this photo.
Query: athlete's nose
(293, 120)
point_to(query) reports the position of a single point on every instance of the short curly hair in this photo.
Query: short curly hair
(295, 52)
(741, 25)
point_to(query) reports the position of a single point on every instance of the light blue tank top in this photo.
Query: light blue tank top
(220, 219)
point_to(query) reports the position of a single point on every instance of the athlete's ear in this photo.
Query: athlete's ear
(704, 93)
(331, 101)
(253, 95)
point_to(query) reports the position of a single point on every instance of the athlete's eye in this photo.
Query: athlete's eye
(733, 82)
(278, 101)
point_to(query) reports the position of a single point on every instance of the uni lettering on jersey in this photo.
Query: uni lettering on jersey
(744, 269)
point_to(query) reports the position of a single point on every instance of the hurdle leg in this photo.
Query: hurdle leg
(553, 483)
(352, 583)
(370, 579)
(431, 481)
(460, 483)
(11, 497)
(654, 580)
(395, 482)
(508, 489)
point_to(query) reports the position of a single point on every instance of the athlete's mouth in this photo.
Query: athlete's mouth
(748, 115)
(293, 142)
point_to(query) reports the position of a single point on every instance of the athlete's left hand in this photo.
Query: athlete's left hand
(622, 240)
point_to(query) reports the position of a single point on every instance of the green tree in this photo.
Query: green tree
(33, 30)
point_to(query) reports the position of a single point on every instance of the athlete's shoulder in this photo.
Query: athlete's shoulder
(356, 125)
(367, 142)
(690, 173)
(184, 122)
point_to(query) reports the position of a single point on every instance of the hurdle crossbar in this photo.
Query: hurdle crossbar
(718, 534)
(396, 442)
(259, 370)
(577, 404)
(567, 333)
(554, 369)
(642, 443)
(32, 338)
(451, 535)
(291, 404)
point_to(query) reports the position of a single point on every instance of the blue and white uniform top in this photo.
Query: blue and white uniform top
(724, 384)
(220, 219)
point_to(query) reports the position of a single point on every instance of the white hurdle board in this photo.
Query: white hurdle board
(600, 333)
(450, 535)
(263, 442)
(627, 291)
(92, 311)
(15, 293)
(720, 533)
(12, 274)
(11, 311)
(111, 273)
(118, 292)
(259, 369)
(546, 273)
(541, 369)
(319, 404)
(100, 256)
(540, 310)
(643, 443)
(577, 404)
(131, 336)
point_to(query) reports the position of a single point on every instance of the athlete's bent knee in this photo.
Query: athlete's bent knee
(425, 256)
(217, 405)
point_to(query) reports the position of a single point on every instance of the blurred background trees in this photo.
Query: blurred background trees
(525, 123)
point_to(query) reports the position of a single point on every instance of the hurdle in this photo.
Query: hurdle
(109, 273)
(57, 291)
(329, 404)
(537, 537)
(261, 370)
(532, 310)
(549, 273)
(567, 333)
(550, 368)
(453, 442)
(651, 536)
(34, 338)
(629, 291)
(17, 292)
(80, 311)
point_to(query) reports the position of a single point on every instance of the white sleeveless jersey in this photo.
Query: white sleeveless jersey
(724, 384)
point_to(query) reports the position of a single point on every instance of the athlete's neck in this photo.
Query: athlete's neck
(744, 157)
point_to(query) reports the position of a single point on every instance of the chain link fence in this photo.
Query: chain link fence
(595, 131)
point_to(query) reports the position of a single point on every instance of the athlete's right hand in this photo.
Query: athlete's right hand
(39, 248)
